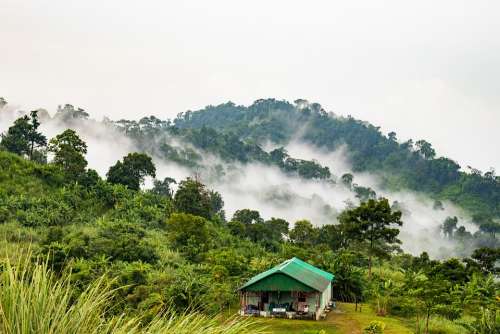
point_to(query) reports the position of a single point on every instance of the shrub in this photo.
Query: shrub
(375, 327)
(34, 300)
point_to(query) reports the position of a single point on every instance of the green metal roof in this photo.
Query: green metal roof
(306, 274)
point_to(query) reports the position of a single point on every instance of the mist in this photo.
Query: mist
(267, 188)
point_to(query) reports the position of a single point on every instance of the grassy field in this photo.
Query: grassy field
(343, 320)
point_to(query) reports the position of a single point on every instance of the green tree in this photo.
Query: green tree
(192, 197)
(132, 171)
(123, 241)
(349, 284)
(487, 259)
(449, 226)
(303, 233)
(69, 153)
(490, 227)
(247, 216)
(481, 301)
(428, 294)
(425, 149)
(23, 137)
(373, 224)
(188, 233)
(163, 188)
(216, 204)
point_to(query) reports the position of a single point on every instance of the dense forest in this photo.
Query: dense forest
(145, 258)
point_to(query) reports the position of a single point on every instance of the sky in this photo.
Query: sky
(424, 69)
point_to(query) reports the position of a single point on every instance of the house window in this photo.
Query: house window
(265, 297)
(301, 297)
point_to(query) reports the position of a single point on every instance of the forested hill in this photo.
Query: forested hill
(412, 164)
(147, 256)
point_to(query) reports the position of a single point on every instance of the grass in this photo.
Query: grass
(34, 300)
(286, 326)
(350, 321)
(343, 320)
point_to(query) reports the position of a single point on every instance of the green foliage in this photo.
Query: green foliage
(248, 224)
(404, 165)
(69, 151)
(188, 233)
(374, 327)
(132, 171)
(374, 224)
(23, 137)
(303, 233)
(171, 252)
(163, 188)
(193, 198)
(33, 300)
(350, 283)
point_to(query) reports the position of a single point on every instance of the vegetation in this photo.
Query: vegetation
(85, 254)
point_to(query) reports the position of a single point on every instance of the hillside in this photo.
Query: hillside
(175, 247)
(412, 164)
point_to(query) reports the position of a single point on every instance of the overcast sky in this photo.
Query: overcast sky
(425, 69)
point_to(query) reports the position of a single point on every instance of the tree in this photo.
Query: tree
(123, 241)
(23, 137)
(429, 295)
(490, 227)
(392, 136)
(163, 188)
(216, 204)
(192, 197)
(69, 151)
(188, 233)
(425, 149)
(35, 139)
(487, 258)
(349, 284)
(449, 226)
(132, 171)
(278, 156)
(364, 193)
(303, 233)
(347, 179)
(247, 216)
(438, 205)
(481, 300)
(373, 223)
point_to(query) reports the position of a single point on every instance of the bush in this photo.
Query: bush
(375, 327)
(34, 300)
(441, 325)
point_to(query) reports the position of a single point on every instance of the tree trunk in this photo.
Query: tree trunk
(370, 267)
(427, 322)
(31, 150)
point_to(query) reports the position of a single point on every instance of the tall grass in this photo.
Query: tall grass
(34, 300)
(439, 325)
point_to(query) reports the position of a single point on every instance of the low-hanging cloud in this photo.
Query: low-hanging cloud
(268, 189)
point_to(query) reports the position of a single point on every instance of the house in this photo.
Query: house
(293, 289)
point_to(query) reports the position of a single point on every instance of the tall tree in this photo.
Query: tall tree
(132, 171)
(23, 137)
(425, 149)
(303, 233)
(373, 224)
(192, 197)
(449, 226)
(35, 139)
(163, 188)
(69, 153)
